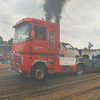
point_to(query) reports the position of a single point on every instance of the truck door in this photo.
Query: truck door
(39, 43)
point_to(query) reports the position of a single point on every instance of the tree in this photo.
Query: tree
(10, 41)
(1, 40)
(5, 43)
(85, 48)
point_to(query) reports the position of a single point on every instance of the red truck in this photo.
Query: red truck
(35, 50)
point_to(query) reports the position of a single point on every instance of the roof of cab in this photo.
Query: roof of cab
(34, 20)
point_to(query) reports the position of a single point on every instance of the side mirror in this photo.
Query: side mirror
(32, 35)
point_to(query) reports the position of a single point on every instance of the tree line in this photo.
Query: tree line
(9, 42)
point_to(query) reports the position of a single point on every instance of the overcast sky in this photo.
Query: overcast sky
(79, 25)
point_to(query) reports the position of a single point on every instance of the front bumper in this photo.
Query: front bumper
(15, 62)
(15, 70)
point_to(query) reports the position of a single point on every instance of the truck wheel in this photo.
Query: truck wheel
(79, 69)
(39, 73)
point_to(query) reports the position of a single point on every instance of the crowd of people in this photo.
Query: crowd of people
(3, 57)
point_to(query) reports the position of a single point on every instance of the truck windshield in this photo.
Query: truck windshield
(22, 34)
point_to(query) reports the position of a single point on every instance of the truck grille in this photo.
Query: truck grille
(14, 58)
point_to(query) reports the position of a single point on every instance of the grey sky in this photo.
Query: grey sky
(80, 21)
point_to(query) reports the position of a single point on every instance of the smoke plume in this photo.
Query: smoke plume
(53, 9)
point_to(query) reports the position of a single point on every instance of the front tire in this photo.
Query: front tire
(39, 73)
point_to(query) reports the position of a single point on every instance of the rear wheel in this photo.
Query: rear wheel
(79, 69)
(39, 73)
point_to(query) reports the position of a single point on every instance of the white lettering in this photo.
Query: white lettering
(39, 48)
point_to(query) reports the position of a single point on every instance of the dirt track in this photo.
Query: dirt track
(55, 87)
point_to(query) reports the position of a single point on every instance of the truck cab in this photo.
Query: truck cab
(35, 43)
(26, 33)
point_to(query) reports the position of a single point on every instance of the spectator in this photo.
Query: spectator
(5, 58)
(1, 57)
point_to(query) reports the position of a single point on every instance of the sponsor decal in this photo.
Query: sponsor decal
(64, 51)
(50, 60)
(40, 58)
(39, 48)
(67, 61)
(17, 48)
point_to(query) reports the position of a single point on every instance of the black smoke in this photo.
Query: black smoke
(53, 9)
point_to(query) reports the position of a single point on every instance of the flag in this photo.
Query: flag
(90, 45)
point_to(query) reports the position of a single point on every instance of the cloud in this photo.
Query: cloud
(80, 23)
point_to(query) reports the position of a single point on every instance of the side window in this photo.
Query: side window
(40, 32)
(51, 36)
(63, 44)
(68, 46)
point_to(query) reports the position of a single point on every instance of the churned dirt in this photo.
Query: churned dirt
(55, 87)
(92, 69)
(89, 90)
